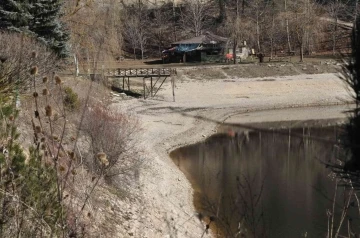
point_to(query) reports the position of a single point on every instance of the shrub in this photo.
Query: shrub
(112, 132)
(71, 100)
(17, 57)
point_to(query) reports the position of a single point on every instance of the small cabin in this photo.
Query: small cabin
(204, 48)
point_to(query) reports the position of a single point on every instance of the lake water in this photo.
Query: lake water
(263, 183)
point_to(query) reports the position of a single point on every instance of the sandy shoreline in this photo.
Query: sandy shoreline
(167, 209)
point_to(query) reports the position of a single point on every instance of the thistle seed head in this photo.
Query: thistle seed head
(43, 147)
(103, 158)
(35, 94)
(37, 129)
(45, 79)
(48, 111)
(45, 92)
(61, 168)
(34, 54)
(34, 70)
(57, 80)
(71, 154)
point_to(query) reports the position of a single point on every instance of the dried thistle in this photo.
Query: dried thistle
(43, 139)
(103, 158)
(45, 92)
(61, 168)
(11, 118)
(34, 70)
(48, 111)
(37, 129)
(45, 79)
(73, 172)
(43, 147)
(34, 54)
(35, 94)
(61, 154)
(57, 80)
(71, 154)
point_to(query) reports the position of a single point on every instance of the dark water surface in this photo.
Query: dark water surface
(271, 182)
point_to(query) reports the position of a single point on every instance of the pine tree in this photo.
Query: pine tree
(14, 15)
(47, 26)
(40, 18)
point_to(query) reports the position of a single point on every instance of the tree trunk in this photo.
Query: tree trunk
(334, 36)
(243, 7)
(356, 13)
(222, 13)
(134, 53)
(258, 32)
(272, 32)
(237, 8)
(301, 51)
(88, 61)
(287, 26)
(234, 50)
(142, 52)
(174, 20)
(76, 61)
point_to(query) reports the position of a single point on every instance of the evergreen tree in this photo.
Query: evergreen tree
(14, 15)
(46, 24)
(40, 18)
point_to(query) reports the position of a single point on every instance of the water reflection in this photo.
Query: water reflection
(263, 184)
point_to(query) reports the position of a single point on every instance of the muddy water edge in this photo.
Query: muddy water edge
(264, 180)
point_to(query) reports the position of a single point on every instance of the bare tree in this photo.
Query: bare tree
(194, 16)
(287, 25)
(131, 33)
(304, 22)
(335, 9)
(95, 32)
(258, 9)
(160, 30)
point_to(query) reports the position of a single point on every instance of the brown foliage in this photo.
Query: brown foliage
(18, 61)
(113, 133)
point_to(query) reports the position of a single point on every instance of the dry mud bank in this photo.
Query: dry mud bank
(167, 209)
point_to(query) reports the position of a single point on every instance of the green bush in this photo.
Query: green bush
(71, 99)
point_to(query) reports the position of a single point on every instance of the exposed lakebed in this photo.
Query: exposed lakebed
(264, 182)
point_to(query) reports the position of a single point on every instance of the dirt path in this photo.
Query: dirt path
(167, 209)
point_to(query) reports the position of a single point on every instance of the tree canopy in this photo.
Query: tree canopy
(40, 18)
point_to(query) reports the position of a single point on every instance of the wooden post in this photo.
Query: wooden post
(173, 87)
(123, 87)
(144, 88)
(151, 86)
(102, 72)
(128, 83)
